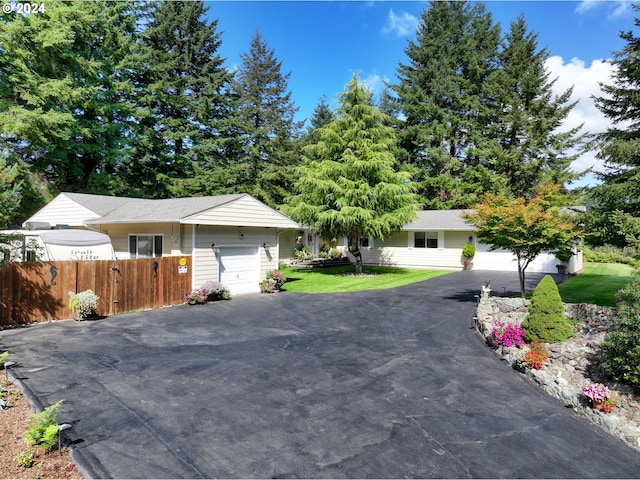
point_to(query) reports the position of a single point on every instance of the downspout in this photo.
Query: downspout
(193, 256)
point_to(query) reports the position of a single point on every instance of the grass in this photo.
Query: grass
(597, 284)
(330, 280)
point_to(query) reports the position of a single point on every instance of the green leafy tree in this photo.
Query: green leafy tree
(185, 89)
(546, 321)
(267, 124)
(524, 227)
(349, 185)
(615, 204)
(522, 141)
(441, 96)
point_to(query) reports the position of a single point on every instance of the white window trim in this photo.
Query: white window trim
(412, 237)
(145, 235)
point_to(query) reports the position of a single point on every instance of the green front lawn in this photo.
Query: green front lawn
(331, 280)
(597, 284)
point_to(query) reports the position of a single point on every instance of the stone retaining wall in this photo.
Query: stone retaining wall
(571, 364)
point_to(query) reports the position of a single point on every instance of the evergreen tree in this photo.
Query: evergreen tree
(65, 91)
(185, 88)
(441, 96)
(349, 185)
(267, 125)
(616, 202)
(322, 115)
(521, 141)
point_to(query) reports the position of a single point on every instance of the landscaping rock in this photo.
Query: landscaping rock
(571, 364)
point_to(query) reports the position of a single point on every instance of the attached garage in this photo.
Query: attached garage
(239, 269)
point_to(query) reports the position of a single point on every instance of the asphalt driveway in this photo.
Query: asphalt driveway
(381, 384)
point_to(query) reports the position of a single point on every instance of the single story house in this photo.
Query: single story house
(435, 240)
(233, 239)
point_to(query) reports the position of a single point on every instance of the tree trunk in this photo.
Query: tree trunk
(354, 248)
(521, 269)
(358, 255)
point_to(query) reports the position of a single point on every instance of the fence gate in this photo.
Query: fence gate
(39, 291)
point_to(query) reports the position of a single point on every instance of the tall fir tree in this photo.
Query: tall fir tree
(321, 116)
(266, 117)
(441, 97)
(349, 184)
(522, 141)
(186, 90)
(615, 216)
(66, 93)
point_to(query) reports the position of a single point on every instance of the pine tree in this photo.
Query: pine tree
(267, 124)
(322, 115)
(616, 202)
(349, 185)
(185, 89)
(521, 141)
(440, 94)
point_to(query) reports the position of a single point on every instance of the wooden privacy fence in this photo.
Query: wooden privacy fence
(39, 291)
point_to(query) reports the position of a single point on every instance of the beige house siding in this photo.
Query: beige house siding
(63, 211)
(206, 261)
(245, 211)
(171, 233)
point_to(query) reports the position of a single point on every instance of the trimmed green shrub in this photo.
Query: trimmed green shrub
(621, 346)
(469, 250)
(546, 321)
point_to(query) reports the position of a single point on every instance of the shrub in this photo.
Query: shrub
(268, 285)
(611, 255)
(303, 253)
(469, 250)
(536, 355)
(43, 429)
(621, 346)
(278, 277)
(215, 290)
(25, 459)
(3, 357)
(84, 304)
(509, 335)
(195, 296)
(546, 321)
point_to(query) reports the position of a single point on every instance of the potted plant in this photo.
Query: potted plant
(83, 304)
(468, 252)
(564, 255)
(600, 397)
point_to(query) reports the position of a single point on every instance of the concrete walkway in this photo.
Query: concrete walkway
(380, 384)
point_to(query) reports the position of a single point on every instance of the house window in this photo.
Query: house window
(365, 242)
(144, 246)
(425, 240)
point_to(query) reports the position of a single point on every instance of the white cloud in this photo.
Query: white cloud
(617, 8)
(585, 81)
(402, 24)
(375, 83)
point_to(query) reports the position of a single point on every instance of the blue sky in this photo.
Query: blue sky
(323, 43)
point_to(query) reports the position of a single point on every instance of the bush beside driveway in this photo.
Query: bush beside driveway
(389, 383)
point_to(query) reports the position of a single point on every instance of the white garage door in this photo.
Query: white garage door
(240, 269)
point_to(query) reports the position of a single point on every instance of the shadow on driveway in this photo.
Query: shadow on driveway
(378, 384)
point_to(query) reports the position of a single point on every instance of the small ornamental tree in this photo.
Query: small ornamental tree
(525, 227)
(546, 321)
(349, 185)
